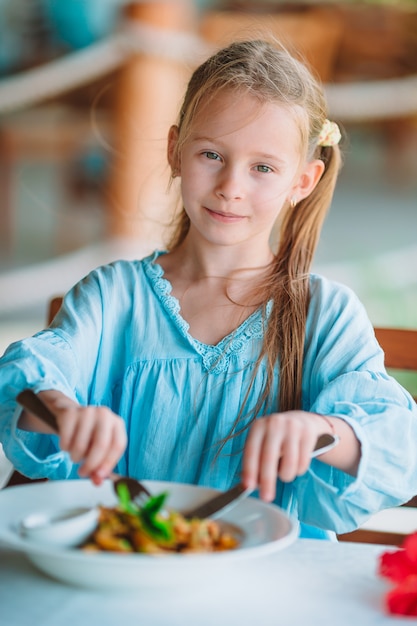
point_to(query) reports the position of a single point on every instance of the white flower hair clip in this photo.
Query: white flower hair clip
(330, 134)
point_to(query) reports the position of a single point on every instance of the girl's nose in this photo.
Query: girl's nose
(229, 185)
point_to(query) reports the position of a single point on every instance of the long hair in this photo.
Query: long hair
(271, 74)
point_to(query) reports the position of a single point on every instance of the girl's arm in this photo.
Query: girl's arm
(92, 435)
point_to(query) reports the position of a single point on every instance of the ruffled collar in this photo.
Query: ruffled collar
(215, 357)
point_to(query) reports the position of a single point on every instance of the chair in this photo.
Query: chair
(400, 347)
(392, 525)
(53, 308)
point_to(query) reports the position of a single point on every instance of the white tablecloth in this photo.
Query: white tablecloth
(309, 583)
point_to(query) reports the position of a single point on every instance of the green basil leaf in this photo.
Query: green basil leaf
(156, 526)
(125, 502)
(155, 503)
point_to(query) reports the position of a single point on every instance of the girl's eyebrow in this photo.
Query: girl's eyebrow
(268, 157)
(217, 140)
(194, 137)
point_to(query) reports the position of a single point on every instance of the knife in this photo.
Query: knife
(224, 501)
(221, 503)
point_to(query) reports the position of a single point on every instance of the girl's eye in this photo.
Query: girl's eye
(264, 169)
(211, 155)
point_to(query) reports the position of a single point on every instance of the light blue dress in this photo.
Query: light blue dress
(120, 341)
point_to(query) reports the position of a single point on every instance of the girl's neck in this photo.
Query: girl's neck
(196, 262)
(216, 291)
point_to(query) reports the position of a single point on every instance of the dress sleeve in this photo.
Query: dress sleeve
(61, 357)
(345, 377)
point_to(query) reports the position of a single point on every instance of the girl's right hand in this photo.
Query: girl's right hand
(92, 435)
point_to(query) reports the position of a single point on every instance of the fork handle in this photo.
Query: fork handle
(30, 401)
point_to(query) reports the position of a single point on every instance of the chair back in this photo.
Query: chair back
(388, 527)
(400, 348)
(53, 308)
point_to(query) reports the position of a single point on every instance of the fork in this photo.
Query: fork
(32, 402)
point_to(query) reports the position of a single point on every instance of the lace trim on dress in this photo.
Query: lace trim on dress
(215, 357)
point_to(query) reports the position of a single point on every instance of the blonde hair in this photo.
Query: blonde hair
(271, 74)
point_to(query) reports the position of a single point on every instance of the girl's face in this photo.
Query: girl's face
(239, 165)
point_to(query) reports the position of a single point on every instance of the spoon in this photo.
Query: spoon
(65, 528)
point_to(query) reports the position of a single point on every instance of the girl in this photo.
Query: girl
(223, 358)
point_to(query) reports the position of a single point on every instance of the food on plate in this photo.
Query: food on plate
(150, 529)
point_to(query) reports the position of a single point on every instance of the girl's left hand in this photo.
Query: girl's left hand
(280, 445)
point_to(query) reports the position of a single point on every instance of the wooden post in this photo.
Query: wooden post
(148, 96)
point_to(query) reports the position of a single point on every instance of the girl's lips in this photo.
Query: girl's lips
(224, 217)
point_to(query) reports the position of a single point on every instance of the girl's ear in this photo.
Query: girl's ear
(173, 158)
(308, 179)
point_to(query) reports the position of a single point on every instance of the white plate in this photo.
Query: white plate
(266, 528)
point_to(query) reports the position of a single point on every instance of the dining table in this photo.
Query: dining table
(310, 582)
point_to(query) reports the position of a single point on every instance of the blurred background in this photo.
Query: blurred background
(89, 88)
